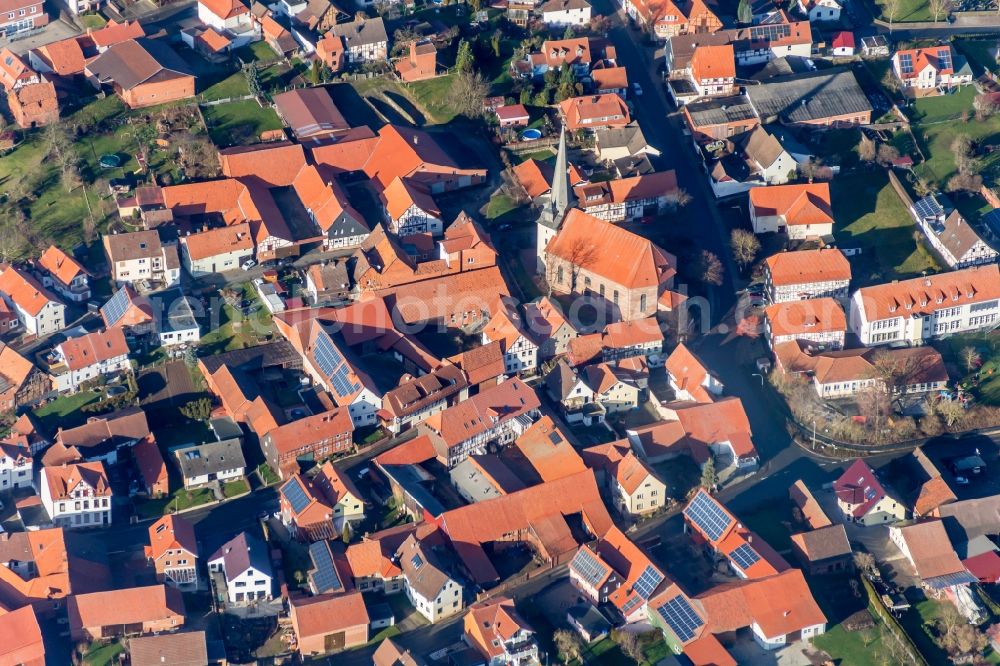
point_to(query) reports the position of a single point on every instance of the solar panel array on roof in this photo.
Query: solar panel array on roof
(648, 582)
(332, 364)
(114, 309)
(324, 574)
(588, 567)
(554, 437)
(708, 516)
(295, 495)
(631, 604)
(744, 556)
(928, 208)
(683, 621)
(944, 57)
(770, 32)
(906, 63)
(950, 580)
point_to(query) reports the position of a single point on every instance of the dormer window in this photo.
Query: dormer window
(909, 306)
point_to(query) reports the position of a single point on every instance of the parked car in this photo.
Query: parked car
(248, 264)
(636, 89)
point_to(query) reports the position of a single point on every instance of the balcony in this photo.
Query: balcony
(522, 651)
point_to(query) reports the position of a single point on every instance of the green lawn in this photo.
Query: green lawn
(980, 53)
(389, 632)
(267, 475)
(234, 488)
(907, 10)
(870, 215)
(918, 623)
(235, 331)
(257, 52)
(853, 648)
(102, 655)
(942, 108)
(499, 207)
(239, 123)
(234, 85)
(64, 412)
(988, 374)
(433, 96)
(93, 21)
(178, 501)
(935, 141)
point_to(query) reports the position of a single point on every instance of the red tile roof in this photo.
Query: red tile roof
(479, 413)
(933, 57)
(922, 296)
(25, 291)
(800, 204)
(134, 605)
(60, 265)
(171, 533)
(272, 164)
(779, 605)
(21, 638)
(689, 373)
(809, 317)
(608, 110)
(859, 488)
(808, 266)
(86, 350)
(549, 452)
(713, 62)
(328, 614)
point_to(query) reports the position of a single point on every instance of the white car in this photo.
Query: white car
(637, 89)
(248, 264)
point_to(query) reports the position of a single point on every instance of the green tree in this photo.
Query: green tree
(709, 477)
(346, 534)
(525, 97)
(253, 80)
(567, 84)
(542, 98)
(495, 42)
(197, 410)
(744, 12)
(464, 59)
(569, 34)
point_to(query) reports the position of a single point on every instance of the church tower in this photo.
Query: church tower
(554, 210)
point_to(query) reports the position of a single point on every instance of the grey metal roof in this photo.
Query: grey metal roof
(809, 97)
(241, 553)
(210, 458)
(720, 110)
(360, 33)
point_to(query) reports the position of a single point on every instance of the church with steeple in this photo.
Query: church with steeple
(561, 198)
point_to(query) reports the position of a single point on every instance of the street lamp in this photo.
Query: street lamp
(754, 374)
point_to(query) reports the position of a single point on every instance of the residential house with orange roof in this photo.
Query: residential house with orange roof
(16, 462)
(851, 372)
(863, 499)
(314, 437)
(617, 572)
(129, 311)
(408, 208)
(34, 105)
(635, 488)
(268, 165)
(22, 16)
(565, 13)
(712, 525)
(824, 551)
(101, 437)
(613, 389)
(21, 638)
(64, 274)
(217, 250)
(792, 276)
(690, 378)
(23, 383)
(547, 451)
(536, 516)
(364, 39)
(819, 321)
(632, 339)
(417, 398)
(800, 210)
(592, 112)
(419, 63)
(929, 551)
(498, 415)
(820, 11)
(810, 509)
(413, 154)
(458, 300)
(933, 68)
(305, 511)
(546, 322)
(112, 33)
(152, 468)
(342, 495)
(519, 347)
(713, 69)
(666, 18)
(609, 80)
(432, 583)
(914, 311)
(77, 360)
(497, 631)
(340, 224)
(483, 367)
(931, 491)
(15, 72)
(37, 308)
(62, 58)
(372, 562)
(143, 72)
(536, 178)
(328, 282)
(77, 494)
(752, 45)
(173, 551)
(629, 199)
(125, 612)
(622, 270)
(329, 623)
(331, 51)
(719, 429)
(277, 36)
(231, 18)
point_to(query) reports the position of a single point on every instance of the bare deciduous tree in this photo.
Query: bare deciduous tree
(866, 149)
(971, 358)
(568, 644)
(890, 9)
(629, 644)
(745, 246)
(938, 7)
(950, 411)
(710, 268)
(467, 92)
(887, 154)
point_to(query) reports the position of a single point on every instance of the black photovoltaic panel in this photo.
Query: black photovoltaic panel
(327, 355)
(770, 32)
(417, 562)
(944, 56)
(648, 582)
(631, 604)
(681, 617)
(342, 385)
(324, 574)
(744, 557)
(115, 308)
(588, 568)
(906, 63)
(708, 516)
(295, 494)
(554, 437)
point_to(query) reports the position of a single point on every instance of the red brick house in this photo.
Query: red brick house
(34, 105)
(143, 72)
(420, 62)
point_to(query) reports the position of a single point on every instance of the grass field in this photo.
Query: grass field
(93, 21)
(433, 96)
(907, 10)
(234, 85)
(856, 648)
(942, 108)
(234, 488)
(936, 126)
(64, 411)
(239, 123)
(178, 501)
(870, 215)
(257, 52)
(235, 331)
(102, 655)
